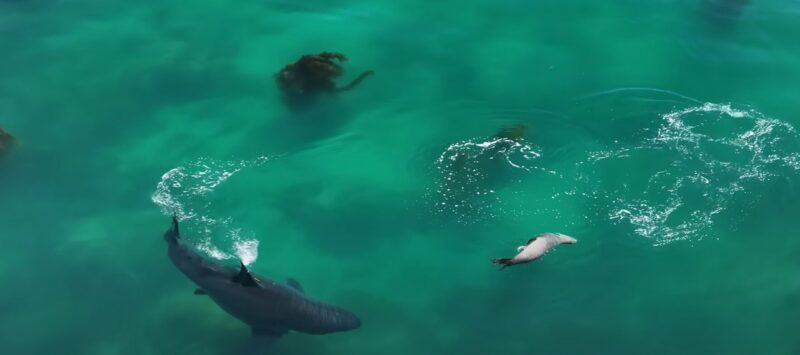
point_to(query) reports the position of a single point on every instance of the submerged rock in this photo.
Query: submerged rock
(313, 75)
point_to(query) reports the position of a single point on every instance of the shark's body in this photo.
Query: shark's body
(270, 308)
(535, 248)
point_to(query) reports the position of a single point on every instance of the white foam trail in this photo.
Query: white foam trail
(244, 249)
(699, 158)
(510, 150)
(465, 188)
(207, 247)
(247, 250)
(163, 198)
(185, 191)
(709, 163)
(194, 181)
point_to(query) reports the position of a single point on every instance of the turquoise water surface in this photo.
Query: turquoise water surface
(662, 135)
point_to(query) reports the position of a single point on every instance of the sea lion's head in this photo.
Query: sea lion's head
(565, 239)
(514, 133)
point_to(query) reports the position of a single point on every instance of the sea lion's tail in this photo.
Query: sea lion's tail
(506, 262)
(356, 81)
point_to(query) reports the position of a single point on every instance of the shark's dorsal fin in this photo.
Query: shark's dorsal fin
(294, 284)
(244, 277)
(173, 233)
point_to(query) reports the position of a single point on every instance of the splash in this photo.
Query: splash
(247, 250)
(244, 249)
(516, 153)
(186, 191)
(700, 158)
(473, 171)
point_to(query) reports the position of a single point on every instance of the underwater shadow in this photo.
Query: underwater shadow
(355, 223)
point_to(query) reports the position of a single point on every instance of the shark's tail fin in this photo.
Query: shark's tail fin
(357, 81)
(505, 262)
(173, 233)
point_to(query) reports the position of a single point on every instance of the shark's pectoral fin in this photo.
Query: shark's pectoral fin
(268, 332)
(294, 284)
(244, 277)
(199, 291)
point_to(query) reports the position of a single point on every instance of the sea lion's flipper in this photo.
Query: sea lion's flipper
(506, 262)
(294, 284)
(244, 277)
(199, 291)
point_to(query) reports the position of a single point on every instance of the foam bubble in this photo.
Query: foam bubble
(472, 171)
(185, 191)
(194, 181)
(207, 247)
(703, 156)
(247, 250)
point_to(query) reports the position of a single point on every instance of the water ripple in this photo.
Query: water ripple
(705, 155)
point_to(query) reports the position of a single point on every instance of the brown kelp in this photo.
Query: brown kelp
(314, 75)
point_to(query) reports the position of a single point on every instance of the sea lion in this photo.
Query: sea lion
(535, 248)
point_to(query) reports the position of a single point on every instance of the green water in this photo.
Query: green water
(660, 134)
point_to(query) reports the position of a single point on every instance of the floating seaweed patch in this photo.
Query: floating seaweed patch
(314, 75)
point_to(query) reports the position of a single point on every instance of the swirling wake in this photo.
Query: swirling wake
(472, 171)
(186, 190)
(702, 157)
(669, 185)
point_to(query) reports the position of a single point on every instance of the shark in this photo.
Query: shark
(271, 309)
